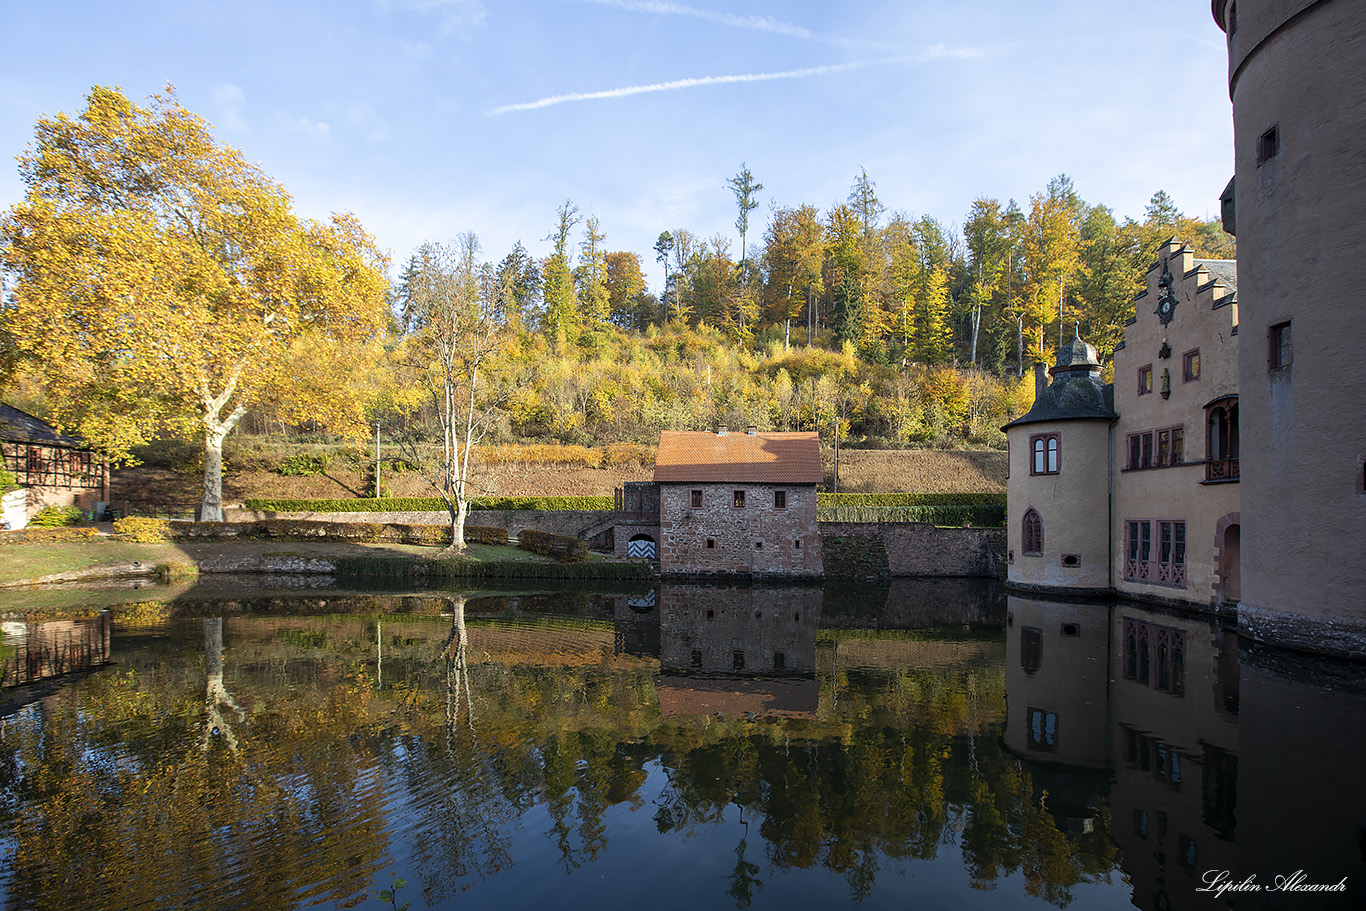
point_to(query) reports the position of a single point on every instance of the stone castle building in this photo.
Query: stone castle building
(1132, 487)
(738, 504)
(1297, 80)
(1225, 467)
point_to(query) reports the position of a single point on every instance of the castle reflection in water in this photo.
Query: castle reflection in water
(1200, 752)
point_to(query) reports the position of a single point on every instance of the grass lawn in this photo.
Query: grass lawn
(19, 562)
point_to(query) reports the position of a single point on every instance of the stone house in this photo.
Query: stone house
(1132, 487)
(738, 504)
(53, 469)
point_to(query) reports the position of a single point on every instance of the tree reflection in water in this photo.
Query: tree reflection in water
(498, 736)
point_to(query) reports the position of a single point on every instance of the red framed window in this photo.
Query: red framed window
(1190, 366)
(738, 500)
(1045, 453)
(1032, 534)
(1145, 380)
(695, 499)
(780, 499)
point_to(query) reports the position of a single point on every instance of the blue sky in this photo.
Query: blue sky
(428, 118)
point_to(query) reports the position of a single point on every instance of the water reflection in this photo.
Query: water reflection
(686, 746)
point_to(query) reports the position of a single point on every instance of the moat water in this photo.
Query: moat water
(930, 744)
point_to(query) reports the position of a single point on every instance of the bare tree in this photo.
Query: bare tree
(455, 331)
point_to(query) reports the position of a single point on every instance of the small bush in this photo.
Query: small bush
(564, 548)
(49, 535)
(57, 517)
(302, 465)
(140, 530)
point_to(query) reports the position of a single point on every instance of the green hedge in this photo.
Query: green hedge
(980, 516)
(68, 535)
(430, 504)
(564, 548)
(911, 499)
(357, 532)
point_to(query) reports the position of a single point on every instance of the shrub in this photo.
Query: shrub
(564, 548)
(57, 517)
(302, 465)
(911, 499)
(141, 530)
(429, 504)
(49, 535)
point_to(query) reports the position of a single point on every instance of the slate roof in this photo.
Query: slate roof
(21, 427)
(738, 457)
(1226, 270)
(1077, 391)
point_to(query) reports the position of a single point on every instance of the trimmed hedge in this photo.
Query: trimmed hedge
(980, 516)
(430, 504)
(911, 499)
(564, 548)
(66, 535)
(313, 530)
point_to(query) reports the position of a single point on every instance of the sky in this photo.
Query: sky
(431, 118)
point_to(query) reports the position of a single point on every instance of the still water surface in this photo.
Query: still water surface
(931, 745)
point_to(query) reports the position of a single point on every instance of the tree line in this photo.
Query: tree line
(158, 284)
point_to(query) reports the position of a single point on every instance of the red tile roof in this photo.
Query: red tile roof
(760, 458)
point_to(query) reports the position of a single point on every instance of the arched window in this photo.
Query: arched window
(1221, 419)
(1046, 450)
(1032, 538)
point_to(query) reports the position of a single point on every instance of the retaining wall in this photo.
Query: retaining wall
(857, 550)
(577, 523)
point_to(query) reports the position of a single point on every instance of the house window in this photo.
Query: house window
(695, 659)
(1190, 366)
(739, 499)
(696, 498)
(779, 661)
(1221, 442)
(1047, 450)
(1043, 730)
(1032, 534)
(1155, 655)
(1147, 451)
(1279, 352)
(711, 544)
(1157, 448)
(1269, 144)
(780, 499)
(797, 545)
(737, 660)
(1145, 380)
(758, 545)
(1031, 648)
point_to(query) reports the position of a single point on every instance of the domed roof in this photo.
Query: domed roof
(1077, 354)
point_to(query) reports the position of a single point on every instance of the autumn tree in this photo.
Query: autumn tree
(745, 188)
(455, 333)
(557, 279)
(163, 284)
(592, 276)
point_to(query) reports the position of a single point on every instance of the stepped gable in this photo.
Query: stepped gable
(1076, 392)
(757, 458)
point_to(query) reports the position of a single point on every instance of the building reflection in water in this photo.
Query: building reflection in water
(34, 651)
(1207, 760)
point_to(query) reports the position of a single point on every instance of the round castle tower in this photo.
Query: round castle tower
(1059, 466)
(1297, 79)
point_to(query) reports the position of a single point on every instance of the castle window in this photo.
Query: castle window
(1221, 419)
(780, 499)
(1047, 453)
(1190, 366)
(1279, 351)
(1269, 144)
(738, 501)
(779, 661)
(695, 659)
(1031, 648)
(696, 499)
(1145, 380)
(1043, 730)
(1032, 534)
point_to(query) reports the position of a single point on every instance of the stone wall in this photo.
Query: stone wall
(756, 538)
(859, 550)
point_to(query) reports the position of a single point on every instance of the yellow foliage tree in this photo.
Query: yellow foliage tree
(163, 284)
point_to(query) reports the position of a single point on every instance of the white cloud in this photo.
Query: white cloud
(362, 116)
(455, 15)
(229, 100)
(677, 84)
(766, 24)
(302, 126)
